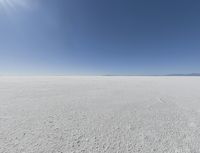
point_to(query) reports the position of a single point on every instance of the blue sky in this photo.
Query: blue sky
(97, 37)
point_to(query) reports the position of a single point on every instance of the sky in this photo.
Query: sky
(99, 37)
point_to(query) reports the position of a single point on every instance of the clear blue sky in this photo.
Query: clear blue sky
(60, 37)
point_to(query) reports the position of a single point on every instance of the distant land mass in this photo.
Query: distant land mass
(190, 74)
(173, 74)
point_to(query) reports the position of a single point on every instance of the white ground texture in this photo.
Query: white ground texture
(99, 114)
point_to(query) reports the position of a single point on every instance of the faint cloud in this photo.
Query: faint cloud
(10, 6)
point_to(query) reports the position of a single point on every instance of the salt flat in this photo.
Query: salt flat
(99, 114)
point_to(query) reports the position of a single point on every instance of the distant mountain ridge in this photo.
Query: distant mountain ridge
(173, 74)
(189, 74)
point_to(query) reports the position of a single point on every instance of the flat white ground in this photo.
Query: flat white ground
(99, 114)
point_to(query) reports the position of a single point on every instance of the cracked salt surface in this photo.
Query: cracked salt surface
(99, 114)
